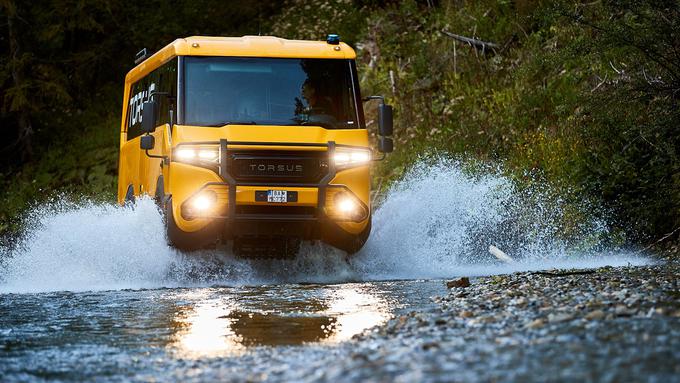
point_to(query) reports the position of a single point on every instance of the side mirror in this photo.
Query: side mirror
(385, 122)
(148, 116)
(385, 145)
(147, 142)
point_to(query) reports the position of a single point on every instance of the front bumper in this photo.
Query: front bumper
(242, 215)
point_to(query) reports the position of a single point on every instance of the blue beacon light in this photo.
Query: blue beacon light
(333, 39)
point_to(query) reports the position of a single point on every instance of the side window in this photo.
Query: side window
(357, 94)
(167, 87)
(159, 85)
(139, 94)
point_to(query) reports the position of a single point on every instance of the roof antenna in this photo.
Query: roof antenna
(259, 19)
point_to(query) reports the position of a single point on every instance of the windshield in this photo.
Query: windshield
(269, 91)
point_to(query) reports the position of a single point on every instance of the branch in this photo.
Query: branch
(658, 58)
(665, 237)
(477, 44)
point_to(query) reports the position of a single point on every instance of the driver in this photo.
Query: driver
(316, 104)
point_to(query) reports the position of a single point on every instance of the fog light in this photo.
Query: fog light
(200, 205)
(345, 206)
(203, 202)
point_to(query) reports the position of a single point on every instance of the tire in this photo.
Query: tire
(159, 197)
(348, 243)
(130, 196)
(188, 241)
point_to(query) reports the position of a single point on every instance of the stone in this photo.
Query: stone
(622, 310)
(467, 314)
(621, 295)
(559, 317)
(520, 302)
(595, 315)
(462, 283)
(430, 345)
(537, 323)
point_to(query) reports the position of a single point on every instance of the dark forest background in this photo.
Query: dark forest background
(580, 95)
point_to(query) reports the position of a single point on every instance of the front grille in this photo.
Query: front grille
(275, 212)
(269, 166)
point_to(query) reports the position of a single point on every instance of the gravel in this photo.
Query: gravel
(608, 324)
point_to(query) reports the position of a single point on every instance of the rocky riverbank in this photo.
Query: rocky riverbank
(606, 324)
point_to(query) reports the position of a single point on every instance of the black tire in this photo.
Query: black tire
(130, 196)
(346, 242)
(159, 197)
(188, 241)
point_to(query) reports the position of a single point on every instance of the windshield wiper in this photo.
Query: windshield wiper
(307, 122)
(230, 123)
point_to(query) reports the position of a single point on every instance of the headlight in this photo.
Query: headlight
(210, 202)
(207, 154)
(345, 157)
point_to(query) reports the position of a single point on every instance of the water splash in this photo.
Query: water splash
(93, 246)
(437, 223)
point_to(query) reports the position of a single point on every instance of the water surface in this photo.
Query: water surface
(152, 333)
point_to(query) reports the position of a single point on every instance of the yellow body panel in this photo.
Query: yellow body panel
(182, 181)
(185, 180)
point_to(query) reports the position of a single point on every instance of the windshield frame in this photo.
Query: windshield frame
(354, 79)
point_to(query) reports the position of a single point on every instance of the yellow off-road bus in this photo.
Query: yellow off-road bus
(253, 142)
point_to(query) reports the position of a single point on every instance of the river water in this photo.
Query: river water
(166, 334)
(92, 291)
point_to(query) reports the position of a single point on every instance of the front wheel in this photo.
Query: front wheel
(188, 241)
(351, 244)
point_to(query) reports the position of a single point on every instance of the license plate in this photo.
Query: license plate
(276, 196)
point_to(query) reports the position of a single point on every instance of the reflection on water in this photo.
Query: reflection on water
(206, 331)
(255, 329)
(355, 310)
(223, 326)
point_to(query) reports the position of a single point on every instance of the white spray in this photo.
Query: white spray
(437, 223)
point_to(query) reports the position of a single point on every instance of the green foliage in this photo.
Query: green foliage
(582, 96)
(61, 75)
(631, 114)
(83, 166)
(314, 20)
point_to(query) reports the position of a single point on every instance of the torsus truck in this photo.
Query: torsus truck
(257, 143)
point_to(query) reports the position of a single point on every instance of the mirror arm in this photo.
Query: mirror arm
(166, 159)
(369, 98)
(384, 155)
(166, 94)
